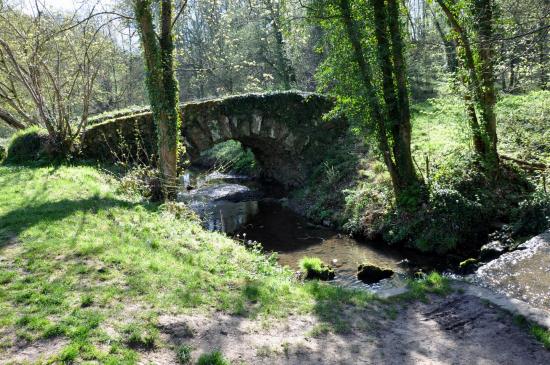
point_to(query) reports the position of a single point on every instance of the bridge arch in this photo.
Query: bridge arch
(285, 131)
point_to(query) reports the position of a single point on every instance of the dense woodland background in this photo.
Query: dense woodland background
(232, 46)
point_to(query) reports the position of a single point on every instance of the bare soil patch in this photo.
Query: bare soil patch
(457, 329)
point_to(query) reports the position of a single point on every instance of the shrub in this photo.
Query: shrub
(183, 353)
(144, 181)
(466, 203)
(213, 358)
(532, 215)
(452, 219)
(2, 153)
(323, 196)
(27, 145)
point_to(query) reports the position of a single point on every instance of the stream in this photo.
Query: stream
(245, 209)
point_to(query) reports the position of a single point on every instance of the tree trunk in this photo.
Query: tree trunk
(162, 85)
(484, 26)
(10, 120)
(449, 46)
(395, 121)
(402, 139)
(543, 48)
(374, 106)
(284, 67)
(480, 85)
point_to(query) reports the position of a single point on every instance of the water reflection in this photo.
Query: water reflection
(227, 216)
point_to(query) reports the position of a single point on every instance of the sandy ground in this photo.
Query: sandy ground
(457, 329)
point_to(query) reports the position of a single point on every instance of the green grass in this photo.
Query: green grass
(311, 263)
(440, 127)
(80, 259)
(431, 283)
(542, 335)
(213, 358)
(183, 354)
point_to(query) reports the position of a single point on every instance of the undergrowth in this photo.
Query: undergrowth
(465, 204)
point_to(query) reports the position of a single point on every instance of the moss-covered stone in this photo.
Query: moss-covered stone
(28, 145)
(370, 274)
(315, 269)
(468, 266)
(285, 131)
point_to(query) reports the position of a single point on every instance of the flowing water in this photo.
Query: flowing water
(523, 274)
(251, 212)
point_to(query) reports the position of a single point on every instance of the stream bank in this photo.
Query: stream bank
(252, 211)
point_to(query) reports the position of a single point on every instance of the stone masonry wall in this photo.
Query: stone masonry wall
(285, 130)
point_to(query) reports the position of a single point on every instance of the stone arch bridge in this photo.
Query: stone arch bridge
(285, 131)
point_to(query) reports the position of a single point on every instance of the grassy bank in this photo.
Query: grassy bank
(465, 204)
(86, 265)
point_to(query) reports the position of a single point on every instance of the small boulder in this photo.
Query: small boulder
(492, 250)
(315, 268)
(370, 274)
(468, 266)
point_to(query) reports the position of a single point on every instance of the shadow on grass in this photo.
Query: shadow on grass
(18, 220)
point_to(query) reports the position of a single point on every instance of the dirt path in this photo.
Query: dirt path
(457, 329)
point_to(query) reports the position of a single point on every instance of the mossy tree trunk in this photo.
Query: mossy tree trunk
(162, 86)
(484, 30)
(392, 118)
(480, 102)
(402, 131)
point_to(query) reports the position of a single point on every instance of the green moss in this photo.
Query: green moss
(467, 264)
(315, 268)
(26, 146)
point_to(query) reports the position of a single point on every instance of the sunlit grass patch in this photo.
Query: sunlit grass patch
(542, 335)
(432, 283)
(80, 255)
